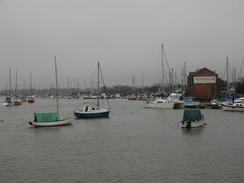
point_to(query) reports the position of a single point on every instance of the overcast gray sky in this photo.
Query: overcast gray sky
(125, 35)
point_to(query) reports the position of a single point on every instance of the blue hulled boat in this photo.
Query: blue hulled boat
(94, 111)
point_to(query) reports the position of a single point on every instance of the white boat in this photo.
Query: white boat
(194, 124)
(142, 97)
(31, 98)
(178, 100)
(91, 111)
(51, 118)
(8, 99)
(163, 103)
(238, 105)
(192, 118)
(160, 103)
(214, 104)
(173, 101)
(17, 101)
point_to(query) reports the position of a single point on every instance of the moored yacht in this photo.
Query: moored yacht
(166, 103)
(237, 105)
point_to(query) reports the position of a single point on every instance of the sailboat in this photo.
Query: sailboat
(31, 98)
(17, 101)
(94, 111)
(8, 99)
(51, 118)
(164, 103)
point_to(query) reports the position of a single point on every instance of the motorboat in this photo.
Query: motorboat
(166, 103)
(8, 101)
(192, 118)
(178, 100)
(214, 104)
(31, 99)
(17, 101)
(189, 103)
(131, 97)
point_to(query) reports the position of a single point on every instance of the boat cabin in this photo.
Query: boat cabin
(90, 108)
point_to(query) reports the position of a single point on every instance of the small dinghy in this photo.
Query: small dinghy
(192, 118)
(8, 101)
(48, 120)
(17, 101)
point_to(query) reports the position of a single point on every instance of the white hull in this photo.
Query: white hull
(194, 105)
(7, 104)
(61, 122)
(194, 124)
(233, 108)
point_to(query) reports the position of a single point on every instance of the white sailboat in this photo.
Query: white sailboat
(17, 101)
(94, 111)
(8, 99)
(163, 103)
(31, 98)
(51, 118)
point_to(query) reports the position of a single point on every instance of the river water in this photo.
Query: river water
(134, 145)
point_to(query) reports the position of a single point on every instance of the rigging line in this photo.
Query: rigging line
(170, 75)
(104, 86)
(240, 69)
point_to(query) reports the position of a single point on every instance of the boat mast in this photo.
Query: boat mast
(227, 73)
(10, 92)
(98, 65)
(30, 84)
(56, 80)
(162, 70)
(184, 79)
(16, 82)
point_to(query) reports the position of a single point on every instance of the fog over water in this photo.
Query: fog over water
(126, 36)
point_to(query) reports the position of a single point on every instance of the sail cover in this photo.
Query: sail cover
(46, 117)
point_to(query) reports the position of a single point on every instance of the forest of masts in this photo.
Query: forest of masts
(170, 82)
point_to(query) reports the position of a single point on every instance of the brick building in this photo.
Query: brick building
(203, 84)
